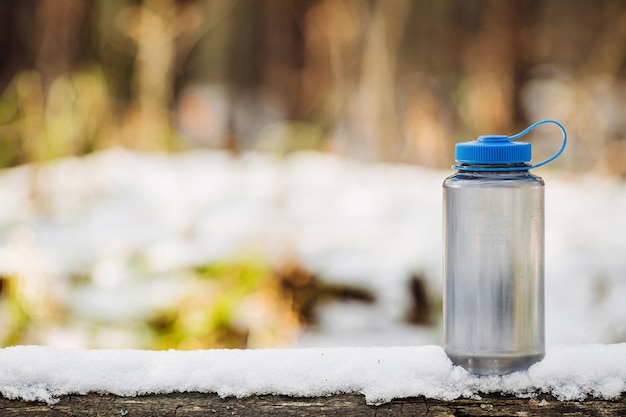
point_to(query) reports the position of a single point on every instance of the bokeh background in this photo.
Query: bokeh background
(240, 173)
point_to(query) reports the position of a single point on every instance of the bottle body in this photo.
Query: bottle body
(494, 270)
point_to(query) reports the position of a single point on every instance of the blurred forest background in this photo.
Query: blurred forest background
(398, 81)
(394, 81)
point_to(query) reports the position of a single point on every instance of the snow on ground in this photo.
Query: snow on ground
(353, 223)
(380, 374)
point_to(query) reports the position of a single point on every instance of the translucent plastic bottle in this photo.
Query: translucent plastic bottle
(494, 256)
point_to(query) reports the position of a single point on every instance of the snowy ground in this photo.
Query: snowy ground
(380, 374)
(353, 223)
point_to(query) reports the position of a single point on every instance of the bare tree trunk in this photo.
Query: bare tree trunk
(489, 62)
(377, 111)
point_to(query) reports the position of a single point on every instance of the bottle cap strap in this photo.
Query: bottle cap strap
(534, 125)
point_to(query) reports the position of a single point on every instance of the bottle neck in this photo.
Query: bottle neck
(493, 168)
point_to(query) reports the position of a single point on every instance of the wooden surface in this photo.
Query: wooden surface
(210, 405)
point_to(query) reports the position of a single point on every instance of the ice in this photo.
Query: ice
(380, 374)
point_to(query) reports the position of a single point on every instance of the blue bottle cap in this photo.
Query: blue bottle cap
(486, 151)
(493, 150)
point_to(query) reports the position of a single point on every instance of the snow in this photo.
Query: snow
(120, 217)
(131, 221)
(380, 374)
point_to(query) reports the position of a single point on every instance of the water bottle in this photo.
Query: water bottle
(494, 256)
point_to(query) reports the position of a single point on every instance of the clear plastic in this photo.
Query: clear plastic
(494, 270)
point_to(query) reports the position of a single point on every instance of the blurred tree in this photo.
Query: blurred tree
(397, 81)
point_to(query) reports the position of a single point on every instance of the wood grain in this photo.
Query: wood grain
(350, 405)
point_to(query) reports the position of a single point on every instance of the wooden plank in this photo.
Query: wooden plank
(350, 405)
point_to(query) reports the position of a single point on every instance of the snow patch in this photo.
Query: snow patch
(36, 373)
